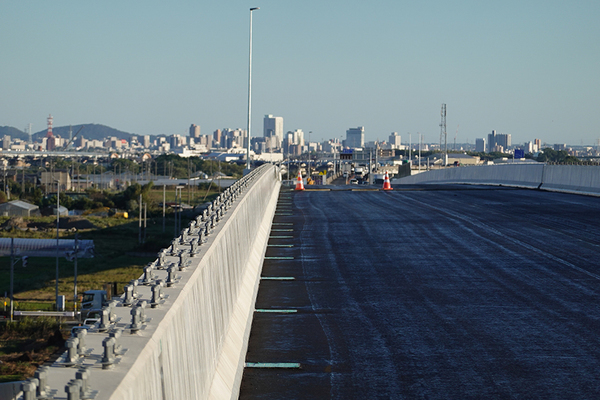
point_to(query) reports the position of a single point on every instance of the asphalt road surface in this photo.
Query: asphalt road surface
(443, 293)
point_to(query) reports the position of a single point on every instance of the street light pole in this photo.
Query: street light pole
(419, 151)
(57, 237)
(249, 92)
(410, 151)
(76, 249)
(12, 273)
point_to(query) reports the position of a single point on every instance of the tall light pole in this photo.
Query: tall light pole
(57, 235)
(410, 151)
(420, 141)
(250, 91)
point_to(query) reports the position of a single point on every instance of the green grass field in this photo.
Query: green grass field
(119, 257)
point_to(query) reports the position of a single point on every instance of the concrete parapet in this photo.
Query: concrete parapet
(199, 346)
(186, 339)
(584, 179)
(527, 175)
(572, 178)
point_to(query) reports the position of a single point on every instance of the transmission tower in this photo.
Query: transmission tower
(443, 134)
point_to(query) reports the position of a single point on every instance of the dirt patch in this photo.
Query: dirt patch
(70, 223)
(23, 353)
(78, 223)
(14, 223)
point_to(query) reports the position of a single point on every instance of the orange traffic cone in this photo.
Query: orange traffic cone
(386, 182)
(299, 183)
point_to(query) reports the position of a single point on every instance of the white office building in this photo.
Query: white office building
(273, 130)
(355, 137)
(395, 141)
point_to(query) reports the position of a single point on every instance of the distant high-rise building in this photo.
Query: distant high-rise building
(273, 128)
(146, 142)
(51, 143)
(395, 140)
(217, 138)
(80, 142)
(480, 145)
(298, 135)
(496, 140)
(194, 131)
(177, 141)
(231, 138)
(205, 140)
(355, 137)
(560, 146)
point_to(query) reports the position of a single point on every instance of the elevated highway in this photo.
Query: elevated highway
(180, 331)
(433, 291)
(428, 291)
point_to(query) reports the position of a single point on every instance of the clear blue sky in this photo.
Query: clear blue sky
(528, 68)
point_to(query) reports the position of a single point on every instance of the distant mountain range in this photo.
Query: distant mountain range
(89, 131)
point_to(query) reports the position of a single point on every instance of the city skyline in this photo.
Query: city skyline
(404, 139)
(528, 70)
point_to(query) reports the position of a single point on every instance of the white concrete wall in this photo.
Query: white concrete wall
(572, 178)
(562, 178)
(199, 347)
(193, 345)
(528, 175)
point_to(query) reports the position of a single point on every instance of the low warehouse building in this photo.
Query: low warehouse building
(19, 208)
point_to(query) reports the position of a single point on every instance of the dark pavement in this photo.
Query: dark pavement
(434, 292)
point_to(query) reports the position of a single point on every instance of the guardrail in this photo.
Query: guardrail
(181, 329)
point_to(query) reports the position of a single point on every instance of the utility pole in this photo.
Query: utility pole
(57, 237)
(420, 142)
(76, 249)
(12, 273)
(145, 221)
(140, 222)
(443, 132)
(410, 150)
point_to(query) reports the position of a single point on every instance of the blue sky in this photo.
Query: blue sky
(528, 68)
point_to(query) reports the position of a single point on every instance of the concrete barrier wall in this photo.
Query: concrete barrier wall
(192, 342)
(199, 347)
(527, 175)
(572, 178)
(562, 178)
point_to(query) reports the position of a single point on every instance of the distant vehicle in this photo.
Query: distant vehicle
(358, 171)
(93, 299)
(354, 181)
(92, 303)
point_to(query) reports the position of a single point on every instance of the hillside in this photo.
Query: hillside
(14, 133)
(89, 131)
